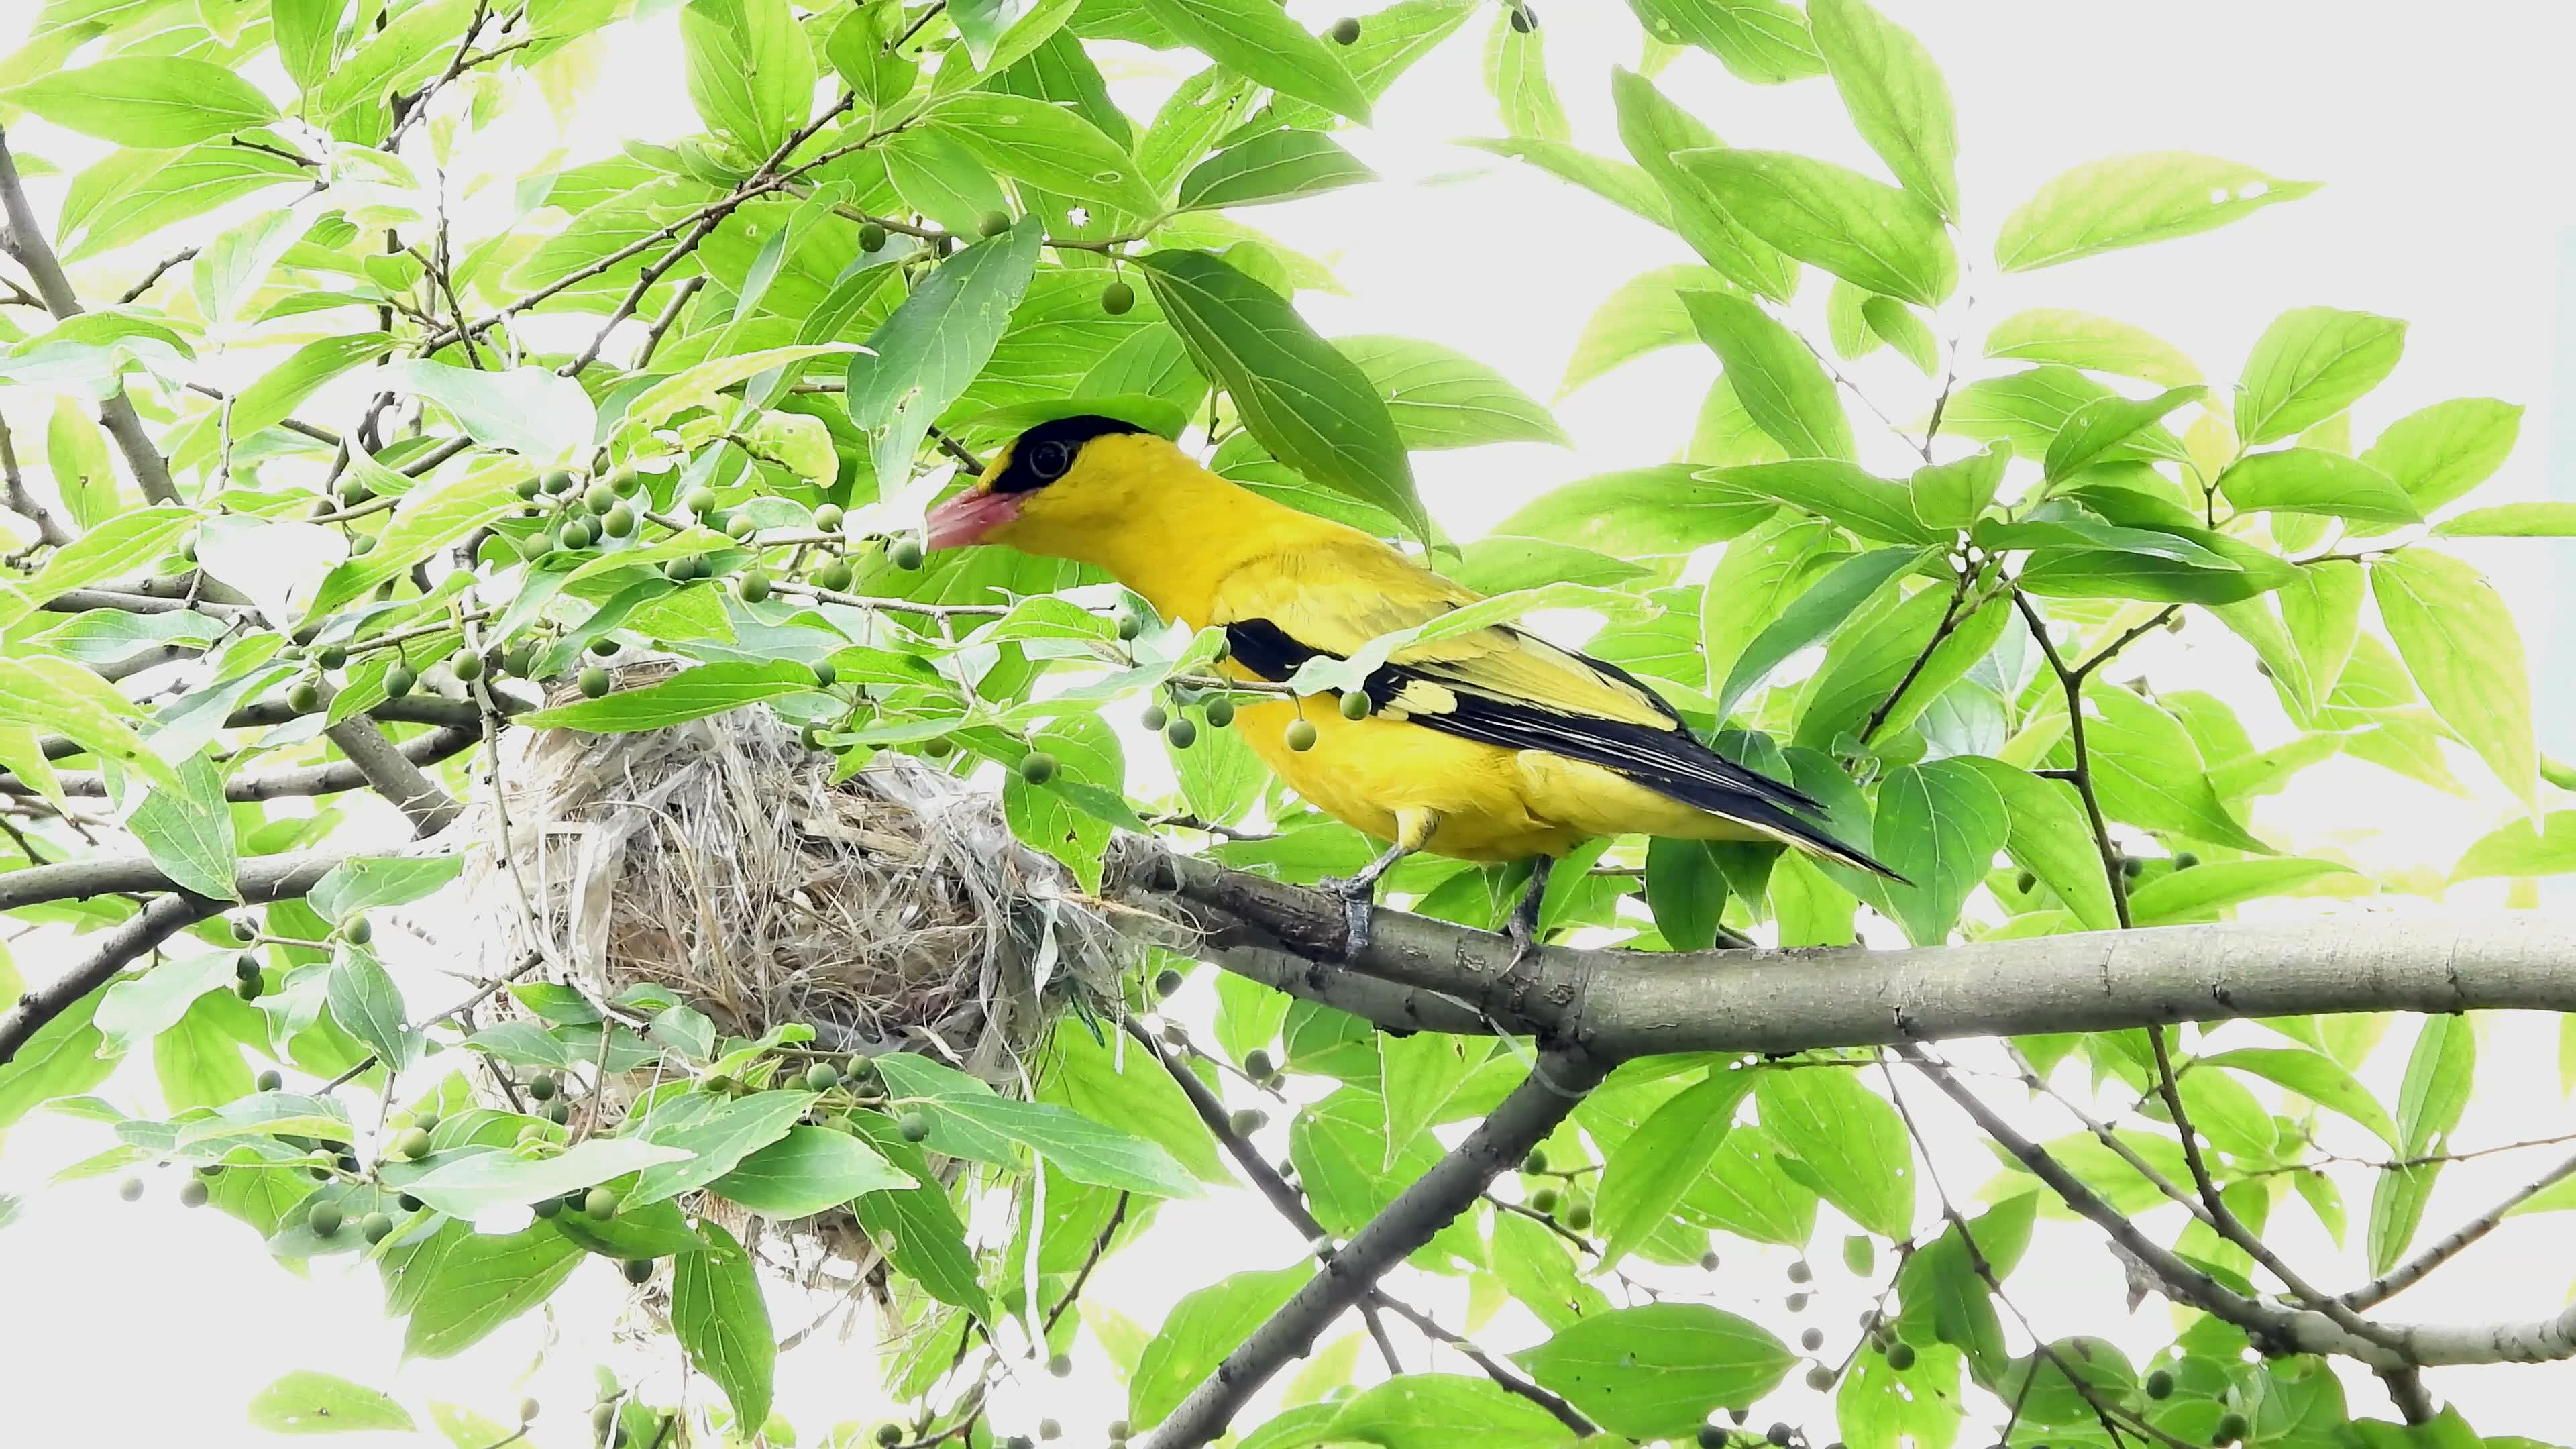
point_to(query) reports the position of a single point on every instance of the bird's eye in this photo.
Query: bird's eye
(1049, 460)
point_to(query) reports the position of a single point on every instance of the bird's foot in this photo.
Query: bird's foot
(1521, 927)
(1359, 907)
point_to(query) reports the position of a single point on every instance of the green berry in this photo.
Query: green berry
(938, 748)
(358, 932)
(1050, 1429)
(131, 1189)
(1037, 767)
(1118, 1429)
(399, 681)
(603, 1415)
(1181, 734)
(559, 1112)
(376, 1227)
(826, 674)
(1900, 1355)
(1780, 1435)
(1061, 1366)
(325, 1219)
(872, 238)
(599, 1203)
(1117, 299)
(914, 1126)
(1345, 31)
(594, 682)
(1796, 1302)
(1799, 1272)
(1167, 981)
(243, 928)
(304, 696)
(1248, 1121)
(542, 1087)
(246, 966)
(700, 501)
(407, 1203)
(834, 575)
(599, 498)
(1708, 1262)
(1355, 704)
(413, 1143)
(994, 223)
(1544, 1200)
(551, 1207)
(2026, 883)
(1536, 1161)
(889, 1435)
(575, 535)
(2231, 1428)
(1301, 736)
(247, 990)
(2185, 860)
(1812, 1339)
(904, 553)
(618, 522)
(353, 490)
(740, 526)
(426, 1121)
(822, 1077)
(810, 737)
(753, 585)
(638, 1271)
(528, 1411)
(559, 482)
(603, 646)
(362, 543)
(1154, 718)
(1219, 712)
(827, 519)
(192, 1193)
(1257, 1064)
(1578, 1215)
(526, 488)
(1129, 626)
(271, 1080)
(719, 1084)
(465, 664)
(2132, 867)
(520, 659)
(2160, 1384)
(1819, 1377)
(331, 656)
(1524, 19)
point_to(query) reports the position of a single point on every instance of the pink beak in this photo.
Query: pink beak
(967, 517)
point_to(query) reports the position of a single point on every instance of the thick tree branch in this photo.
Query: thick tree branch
(1559, 1080)
(260, 878)
(427, 709)
(23, 238)
(392, 774)
(22, 501)
(139, 933)
(325, 779)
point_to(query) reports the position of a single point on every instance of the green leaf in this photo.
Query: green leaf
(2514, 849)
(76, 454)
(1867, 233)
(2308, 480)
(1817, 613)
(426, 521)
(2201, 891)
(1516, 77)
(2511, 520)
(1121, 1087)
(750, 73)
(1894, 92)
(968, 1119)
(1663, 511)
(2437, 454)
(2126, 201)
(366, 883)
(713, 1142)
(1047, 146)
(188, 831)
(1848, 1138)
(1501, 564)
(2430, 1100)
(275, 395)
(925, 355)
(1763, 41)
(1953, 495)
(2459, 642)
(2080, 339)
(136, 1009)
(308, 34)
(929, 1242)
(471, 1185)
(1880, 1406)
(722, 1321)
(62, 1059)
(698, 386)
(154, 102)
(1903, 330)
(1939, 825)
(1654, 130)
(527, 410)
(2310, 364)
(1630, 188)
(2149, 772)
(459, 1285)
(806, 1171)
(1644, 314)
(365, 1000)
(59, 697)
(1438, 1411)
(938, 177)
(1311, 407)
(305, 1402)
(1445, 399)
(2050, 838)
(1780, 382)
(1255, 38)
(1686, 892)
(122, 545)
(1647, 1174)
(694, 693)
(2095, 429)
(2313, 1075)
(1417, 1074)
(1205, 1326)
(1868, 660)
(1658, 1371)
(1273, 166)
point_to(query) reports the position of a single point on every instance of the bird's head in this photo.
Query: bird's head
(1060, 489)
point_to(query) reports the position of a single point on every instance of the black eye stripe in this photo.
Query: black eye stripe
(1047, 452)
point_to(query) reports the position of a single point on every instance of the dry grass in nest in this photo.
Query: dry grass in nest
(719, 859)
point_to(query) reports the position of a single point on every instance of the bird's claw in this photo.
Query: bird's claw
(1359, 907)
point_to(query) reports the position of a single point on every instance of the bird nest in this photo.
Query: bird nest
(721, 861)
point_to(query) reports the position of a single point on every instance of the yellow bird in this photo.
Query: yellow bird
(1491, 746)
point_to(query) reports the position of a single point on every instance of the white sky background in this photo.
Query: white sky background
(2441, 134)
